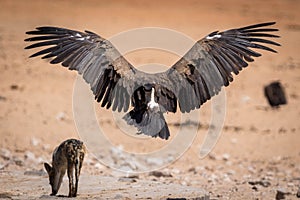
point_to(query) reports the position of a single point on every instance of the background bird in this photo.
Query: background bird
(195, 78)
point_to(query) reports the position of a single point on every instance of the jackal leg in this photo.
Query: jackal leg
(78, 166)
(71, 181)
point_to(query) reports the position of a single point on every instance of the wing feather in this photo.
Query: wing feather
(210, 63)
(101, 65)
(194, 79)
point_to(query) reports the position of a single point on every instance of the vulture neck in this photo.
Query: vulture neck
(152, 104)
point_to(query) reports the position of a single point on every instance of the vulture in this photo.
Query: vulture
(190, 82)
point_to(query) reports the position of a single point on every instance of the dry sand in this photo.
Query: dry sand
(256, 157)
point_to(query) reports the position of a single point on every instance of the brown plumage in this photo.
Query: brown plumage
(195, 78)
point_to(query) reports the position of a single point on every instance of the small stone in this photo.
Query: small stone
(230, 172)
(261, 182)
(298, 193)
(99, 166)
(282, 130)
(265, 183)
(212, 156)
(30, 156)
(251, 169)
(228, 163)
(35, 173)
(14, 87)
(5, 195)
(160, 174)
(61, 116)
(89, 161)
(270, 178)
(290, 184)
(226, 178)
(277, 158)
(270, 173)
(200, 168)
(281, 194)
(40, 160)
(184, 183)
(245, 99)
(254, 188)
(253, 128)
(46, 146)
(275, 94)
(127, 179)
(225, 156)
(154, 161)
(170, 159)
(192, 169)
(246, 176)
(213, 178)
(233, 140)
(2, 98)
(118, 196)
(18, 162)
(175, 171)
(5, 154)
(2, 166)
(34, 141)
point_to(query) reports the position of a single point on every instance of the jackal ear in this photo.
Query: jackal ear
(48, 168)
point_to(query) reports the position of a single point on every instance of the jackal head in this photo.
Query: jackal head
(52, 176)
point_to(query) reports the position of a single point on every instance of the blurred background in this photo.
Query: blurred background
(258, 145)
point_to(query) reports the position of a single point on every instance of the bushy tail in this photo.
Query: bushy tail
(148, 122)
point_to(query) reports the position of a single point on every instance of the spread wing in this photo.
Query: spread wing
(212, 61)
(194, 79)
(109, 74)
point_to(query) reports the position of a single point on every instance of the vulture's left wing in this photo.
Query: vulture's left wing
(211, 62)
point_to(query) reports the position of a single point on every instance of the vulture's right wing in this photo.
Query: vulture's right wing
(100, 63)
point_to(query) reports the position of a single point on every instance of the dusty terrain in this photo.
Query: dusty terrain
(256, 157)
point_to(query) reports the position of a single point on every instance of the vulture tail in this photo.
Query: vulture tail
(149, 122)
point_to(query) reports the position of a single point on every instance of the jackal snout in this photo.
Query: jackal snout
(68, 156)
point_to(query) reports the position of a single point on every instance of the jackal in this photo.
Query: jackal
(68, 156)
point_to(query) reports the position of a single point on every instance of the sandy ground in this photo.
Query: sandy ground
(256, 157)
